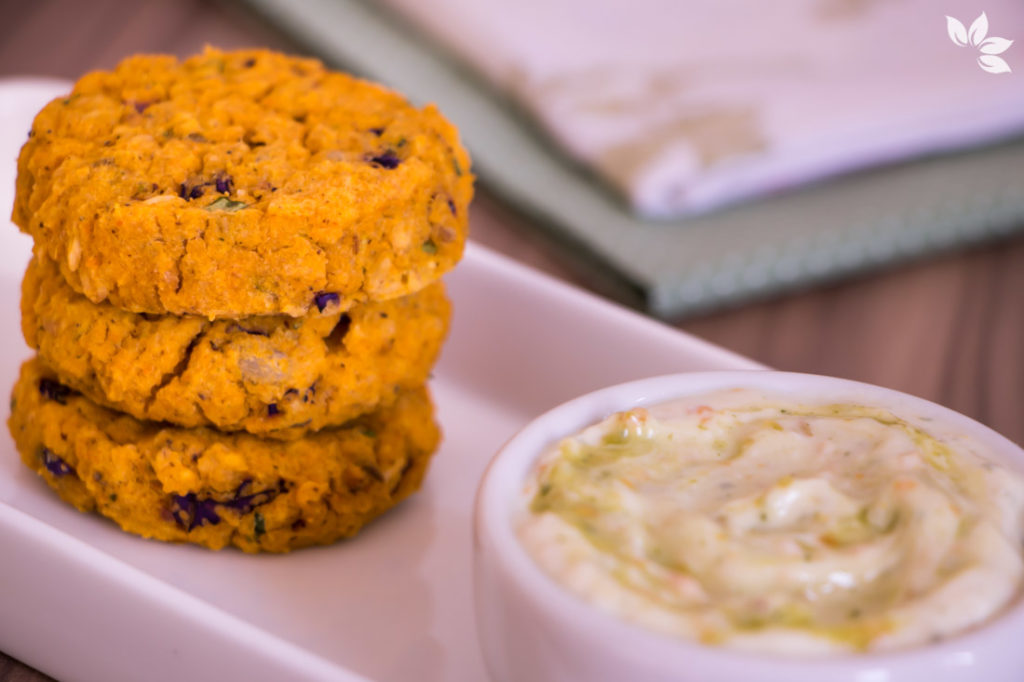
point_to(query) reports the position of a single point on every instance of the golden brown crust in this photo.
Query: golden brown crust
(278, 376)
(216, 489)
(241, 183)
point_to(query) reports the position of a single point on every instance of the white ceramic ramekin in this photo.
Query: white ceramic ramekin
(533, 630)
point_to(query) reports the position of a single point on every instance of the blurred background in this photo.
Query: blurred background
(829, 186)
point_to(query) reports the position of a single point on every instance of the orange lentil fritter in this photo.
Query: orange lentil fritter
(215, 489)
(244, 183)
(273, 376)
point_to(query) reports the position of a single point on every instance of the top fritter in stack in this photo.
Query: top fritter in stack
(235, 296)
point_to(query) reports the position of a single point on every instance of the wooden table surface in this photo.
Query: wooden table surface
(950, 329)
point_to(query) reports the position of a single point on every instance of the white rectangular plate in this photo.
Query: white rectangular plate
(82, 600)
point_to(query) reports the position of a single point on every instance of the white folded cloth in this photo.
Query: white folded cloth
(686, 105)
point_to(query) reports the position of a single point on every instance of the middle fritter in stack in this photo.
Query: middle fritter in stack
(242, 360)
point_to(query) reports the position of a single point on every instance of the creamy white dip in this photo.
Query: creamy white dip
(744, 519)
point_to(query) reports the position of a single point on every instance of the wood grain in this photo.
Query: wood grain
(950, 329)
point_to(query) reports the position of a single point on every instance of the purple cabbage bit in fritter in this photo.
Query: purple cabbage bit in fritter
(377, 131)
(224, 184)
(451, 207)
(54, 390)
(324, 299)
(141, 106)
(245, 503)
(54, 464)
(190, 512)
(387, 160)
(187, 192)
(272, 410)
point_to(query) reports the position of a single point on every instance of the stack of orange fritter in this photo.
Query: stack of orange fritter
(235, 296)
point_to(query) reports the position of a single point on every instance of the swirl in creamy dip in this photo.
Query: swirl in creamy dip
(744, 519)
